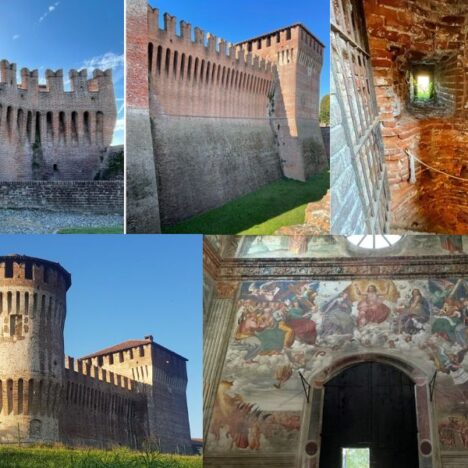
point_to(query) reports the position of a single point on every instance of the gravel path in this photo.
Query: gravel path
(46, 222)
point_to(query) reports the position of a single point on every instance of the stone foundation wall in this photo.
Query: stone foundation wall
(202, 163)
(97, 197)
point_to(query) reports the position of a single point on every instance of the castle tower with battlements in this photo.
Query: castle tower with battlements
(297, 56)
(32, 316)
(130, 394)
(47, 133)
(209, 121)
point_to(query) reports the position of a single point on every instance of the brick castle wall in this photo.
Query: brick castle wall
(212, 138)
(297, 57)
(99, 197)
(162, 376)
(131, 397)
(225, 120)
(47, 133)
(101, 408)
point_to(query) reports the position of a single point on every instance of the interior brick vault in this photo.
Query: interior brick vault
(405, 39)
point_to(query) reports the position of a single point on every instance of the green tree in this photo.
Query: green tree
(325, 110)
(355, 458)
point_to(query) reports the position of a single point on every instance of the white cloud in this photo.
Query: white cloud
(104, 62)
(51, 8)
(16, 36)
(115, 62)
(119, 125)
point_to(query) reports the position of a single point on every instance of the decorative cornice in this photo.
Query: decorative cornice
(342, 268)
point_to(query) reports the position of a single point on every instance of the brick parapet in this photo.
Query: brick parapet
(206, 77)
(49, 133)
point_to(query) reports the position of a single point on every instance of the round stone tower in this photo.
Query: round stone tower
(32, 317)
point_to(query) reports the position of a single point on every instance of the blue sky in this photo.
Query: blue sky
(42, 34)
(243, 19)
(126, 287)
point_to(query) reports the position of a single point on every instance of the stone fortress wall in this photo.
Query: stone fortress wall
(126, 397)
(47, 133)
(224, 119)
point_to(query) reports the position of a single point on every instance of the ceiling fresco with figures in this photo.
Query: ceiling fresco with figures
(285, 328)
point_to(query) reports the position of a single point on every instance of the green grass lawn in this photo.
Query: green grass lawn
(278, 204)
(103, 230)
(59, 457)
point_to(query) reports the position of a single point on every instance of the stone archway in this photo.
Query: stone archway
(310, 440)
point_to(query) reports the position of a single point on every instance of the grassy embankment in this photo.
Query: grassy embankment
(61, 457)
(278, 204)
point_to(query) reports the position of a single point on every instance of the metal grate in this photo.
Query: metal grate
(355, 93)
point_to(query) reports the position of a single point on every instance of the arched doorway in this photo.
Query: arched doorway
(370, 406)
(311, 431)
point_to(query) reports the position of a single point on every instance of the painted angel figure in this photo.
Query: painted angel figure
(371, 308)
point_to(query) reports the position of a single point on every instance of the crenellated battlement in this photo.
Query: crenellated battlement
(21, 270)
(195, 73)
(47, 133)
(99, 374)
(78, 79)
(295, 35)
(203, 43)
(125, 357)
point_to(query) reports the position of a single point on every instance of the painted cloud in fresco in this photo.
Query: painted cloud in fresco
(287, 327)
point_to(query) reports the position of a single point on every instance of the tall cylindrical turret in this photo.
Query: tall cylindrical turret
(32, 317)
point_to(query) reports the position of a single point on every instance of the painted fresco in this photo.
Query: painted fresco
(336, 246)
(284, 328)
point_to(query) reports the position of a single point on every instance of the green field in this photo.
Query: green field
(278, 204)
(103, 230)
(59, 457)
